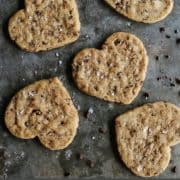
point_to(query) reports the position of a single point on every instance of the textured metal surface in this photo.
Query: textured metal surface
(20, 159)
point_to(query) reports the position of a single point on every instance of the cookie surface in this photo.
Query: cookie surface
(44, 110)
(145, 135)
(147, 11)
(115, 73)
(45, 24)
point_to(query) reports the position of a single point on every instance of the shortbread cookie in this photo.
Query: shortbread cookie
(115, 73)
(44, 110)
(147, 11)
(145, 135)
(45, 24)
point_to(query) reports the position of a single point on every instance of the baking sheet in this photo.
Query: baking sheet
(23, 159)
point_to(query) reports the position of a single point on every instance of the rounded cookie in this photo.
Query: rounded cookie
(116, 72)
(45, 24)
(147, 11)
(45, 110)
(145, 135)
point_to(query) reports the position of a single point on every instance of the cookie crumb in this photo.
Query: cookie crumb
(91, 163)
(178, 41)
(166, 56)
(173, 169)
(80, 156)
(168, 36)
(177, 81)
(157, 58)
(162, 29)
(66, 173)
(102, 130)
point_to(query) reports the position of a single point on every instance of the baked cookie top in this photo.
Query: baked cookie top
(45, 24)
(147, 11)
(116, 72)
(145, 135)
(45, 110)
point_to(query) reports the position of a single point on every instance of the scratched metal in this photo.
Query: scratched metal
(23, 159)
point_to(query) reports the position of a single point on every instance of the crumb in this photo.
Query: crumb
(177, 81)
(80, 156)
(173, 169)
(178, 41)
(91, 163)
(157, 58)
(102, 130)
(166, 56)
(161, 29)
(168, 36)
(66, 174)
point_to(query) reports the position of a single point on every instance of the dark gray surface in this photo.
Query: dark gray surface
(20, 159)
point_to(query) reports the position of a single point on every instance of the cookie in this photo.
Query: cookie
(147, 11)
(116, 72)
(45, 24)
(45, 110)
(145, 135)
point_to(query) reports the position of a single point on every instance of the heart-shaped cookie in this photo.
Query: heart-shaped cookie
(45, 24)
(44, 110)
(147, 11)
(115, 73)
(145, 135)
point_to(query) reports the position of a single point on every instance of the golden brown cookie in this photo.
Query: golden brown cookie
(45, 110)
(147, 11)
(116, 72)
(45, 24)
(145, 135)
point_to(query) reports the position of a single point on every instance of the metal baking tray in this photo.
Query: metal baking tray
(23, 159)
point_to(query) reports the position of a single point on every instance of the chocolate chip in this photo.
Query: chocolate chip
(116, 42)
(161, 29)
(178, 41)
(177, 80)
(102, 130)
(37, 112)
(146, 95)
(173, 169)
(91, 163)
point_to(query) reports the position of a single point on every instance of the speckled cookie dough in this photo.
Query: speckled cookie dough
(147, 11)
(115, 73)
(145, 135)
(44, 110)
(45, 24)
